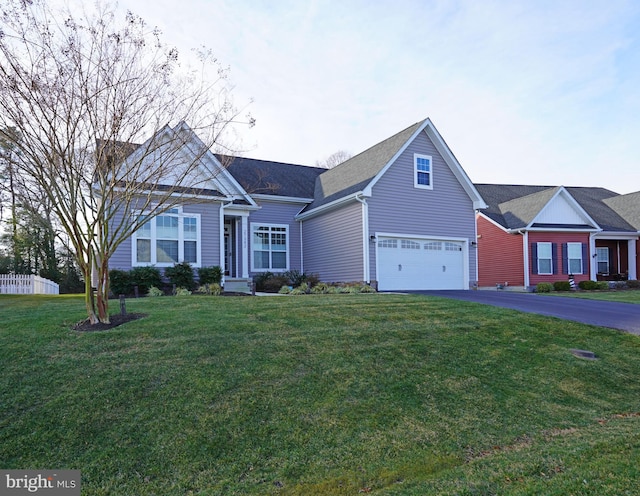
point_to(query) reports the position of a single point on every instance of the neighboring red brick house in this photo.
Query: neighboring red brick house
(533, 234)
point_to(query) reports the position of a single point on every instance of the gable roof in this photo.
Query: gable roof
(263, 177)
(360, 173)
(516, 206)
(627, 206)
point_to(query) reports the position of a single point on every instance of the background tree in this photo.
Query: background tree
(81, 88)
(334, 159)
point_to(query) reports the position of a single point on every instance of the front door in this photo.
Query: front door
(229, 247)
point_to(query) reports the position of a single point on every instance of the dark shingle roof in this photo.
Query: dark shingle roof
(515, 206)
(272, 178)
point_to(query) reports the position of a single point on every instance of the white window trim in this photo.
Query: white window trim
(569, 258)
(540, 272)
(154, 260)
(416, 156)
(254, 226)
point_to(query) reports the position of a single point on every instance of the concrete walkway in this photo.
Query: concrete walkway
(621, 316)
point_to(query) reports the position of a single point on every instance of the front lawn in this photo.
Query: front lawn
(327, 395)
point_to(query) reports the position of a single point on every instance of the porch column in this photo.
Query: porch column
(244, 227)
(593, 259)
(633, 273)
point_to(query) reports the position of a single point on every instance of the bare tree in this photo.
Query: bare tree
(79, 89)
(334, 159)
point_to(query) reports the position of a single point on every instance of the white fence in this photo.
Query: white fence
(27, 284)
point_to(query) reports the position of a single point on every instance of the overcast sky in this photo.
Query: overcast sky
(523, 92)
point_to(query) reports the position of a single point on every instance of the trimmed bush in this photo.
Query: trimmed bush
(562, 286)
(210, 275)
(588, 285)
(602, 285)
(181, 275)
(544, 287)
(633, 284)
(145, 278)
(120, 281)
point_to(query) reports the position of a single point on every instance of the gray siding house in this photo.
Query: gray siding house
(400, 215)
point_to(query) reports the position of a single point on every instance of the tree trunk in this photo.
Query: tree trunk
(102, 293)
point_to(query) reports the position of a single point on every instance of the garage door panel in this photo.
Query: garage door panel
(415, 264)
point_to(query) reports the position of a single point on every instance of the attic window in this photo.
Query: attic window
(423, 173)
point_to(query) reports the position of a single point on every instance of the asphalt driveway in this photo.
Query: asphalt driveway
(621, 316)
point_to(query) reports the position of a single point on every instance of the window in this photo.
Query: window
(388, 243)
(603, 260)
(270, 245)
(433, 245)
(169, 238)
(423, 177)
(407, 244)
(452, 246)
(545, 258)
(574, 254)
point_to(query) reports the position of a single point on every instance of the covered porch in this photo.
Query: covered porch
(614, 257)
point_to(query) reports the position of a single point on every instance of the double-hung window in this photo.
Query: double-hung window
(574, 254)
(270, 247)
(603, 260)
(167, 239)
(545, 258)
(423, 171)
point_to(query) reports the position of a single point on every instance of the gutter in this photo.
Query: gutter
(331, 205)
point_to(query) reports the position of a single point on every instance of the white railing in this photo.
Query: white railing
(27, 284)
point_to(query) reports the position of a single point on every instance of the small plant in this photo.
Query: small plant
(562, 286)
(212, 289)
(181, 275)
(304, 287)
(210, 275)
(367, 289)
(320, 288)
(154, 292)
(297, 291)
(544, 287)
(588, 285)
(285, 290)
(182, 292)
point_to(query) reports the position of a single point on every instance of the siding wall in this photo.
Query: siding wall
(558, 238)
(396, 206)
(500, 255)
(274, 212)
(333, 244)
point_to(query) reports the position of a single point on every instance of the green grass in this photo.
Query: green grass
(326, 395)
(622, 296)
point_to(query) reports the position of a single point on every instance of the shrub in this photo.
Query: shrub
(295, 277)
(285, 290)
(261, 279)
(602, 285)
(213, 289)
(562, 286)
(321, 288)
(145, 278)
(153, 292)
(304, 287)
(297, 291)
(633, 284)
(182, 292)
(367, 289)
(588, 285)
(210, 275)
(120, 281)
(181, 275)
(544, 287)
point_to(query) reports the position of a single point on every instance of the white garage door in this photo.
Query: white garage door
(406, 264)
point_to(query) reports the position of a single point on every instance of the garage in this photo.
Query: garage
(417, 263)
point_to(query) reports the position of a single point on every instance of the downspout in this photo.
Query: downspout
(593, 258)
(301, 250)
(365, 238)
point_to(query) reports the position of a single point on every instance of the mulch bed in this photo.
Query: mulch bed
(116, 320)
